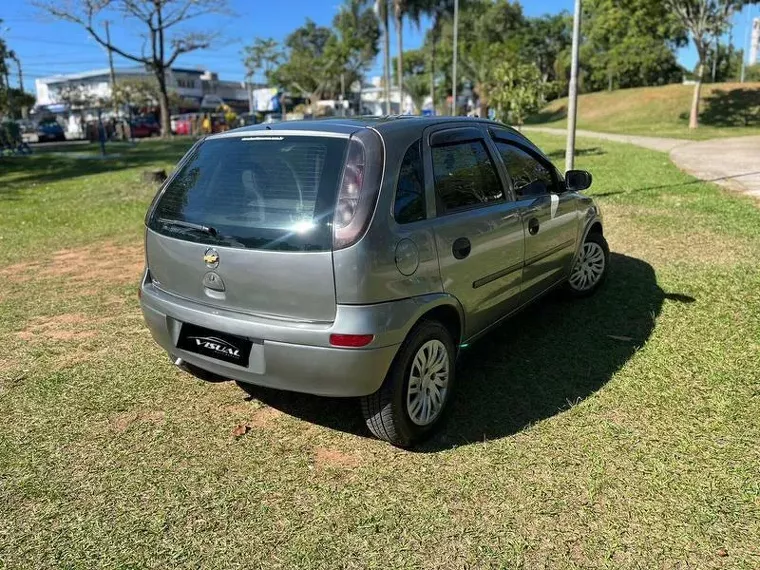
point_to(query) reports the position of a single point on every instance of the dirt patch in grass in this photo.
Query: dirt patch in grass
(325, 458)
(256, 419)
(66, 327)
(263, 417)
(107, 262)
(121, 422)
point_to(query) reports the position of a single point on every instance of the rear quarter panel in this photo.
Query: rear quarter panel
(367, 272)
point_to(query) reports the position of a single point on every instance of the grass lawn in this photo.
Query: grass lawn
(663, 111)
(619, 431)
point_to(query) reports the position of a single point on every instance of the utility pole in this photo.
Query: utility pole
(454, 65)
(572, 111)
(113, 73)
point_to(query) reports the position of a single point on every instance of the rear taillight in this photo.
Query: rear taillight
(359, 187)
(351, 340)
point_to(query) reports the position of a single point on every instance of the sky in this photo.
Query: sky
(48, 47)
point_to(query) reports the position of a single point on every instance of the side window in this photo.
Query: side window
(409, 205)
(465, 175)
(529, 176)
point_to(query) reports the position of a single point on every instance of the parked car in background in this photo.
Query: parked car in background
(354, 257)
(247, 119)
(145, 127)
(50, 130)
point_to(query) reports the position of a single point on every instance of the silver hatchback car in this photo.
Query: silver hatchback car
(355, 257)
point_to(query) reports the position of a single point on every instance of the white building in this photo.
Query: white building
(373, 101)
(191, 85)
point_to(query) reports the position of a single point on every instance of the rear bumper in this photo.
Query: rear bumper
(286, 355)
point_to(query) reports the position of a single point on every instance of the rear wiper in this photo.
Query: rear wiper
(205, 229)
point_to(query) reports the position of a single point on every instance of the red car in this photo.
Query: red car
(144, 127)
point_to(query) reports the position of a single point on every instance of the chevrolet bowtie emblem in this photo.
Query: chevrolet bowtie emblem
(211, 258)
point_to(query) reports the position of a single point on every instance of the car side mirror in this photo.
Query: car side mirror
(577, 180)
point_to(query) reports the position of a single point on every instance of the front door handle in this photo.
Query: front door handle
(461, 248)
(533, 226)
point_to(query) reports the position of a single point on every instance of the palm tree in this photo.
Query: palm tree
(381, 9)
(437, 10)
(413, 9)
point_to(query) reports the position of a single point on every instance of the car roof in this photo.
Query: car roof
(383, 124)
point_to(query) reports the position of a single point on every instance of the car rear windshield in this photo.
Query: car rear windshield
(256, 192)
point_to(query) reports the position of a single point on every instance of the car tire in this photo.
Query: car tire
(397, 414)
(590, 268)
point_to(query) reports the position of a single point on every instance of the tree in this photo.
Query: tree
(316, 57)
(546, 40)
(305, 67)
(415, 78)
(630, 43)
(438, 10)
(16, 102)
(703, 19)
(516, 91)
(159, 17)
(4, 74)
(489, 32)
(354, 45)
(413, 10)
(381, 9)
(139, 92)
(726, 61)
(263, 55)
(79, 98)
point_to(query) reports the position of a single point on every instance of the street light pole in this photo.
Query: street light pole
(454, 65)
(572, 108)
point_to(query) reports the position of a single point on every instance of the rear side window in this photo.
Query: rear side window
(465, 176)
(409, 205)
(255, 192)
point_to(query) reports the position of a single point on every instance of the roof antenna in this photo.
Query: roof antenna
(268, 128)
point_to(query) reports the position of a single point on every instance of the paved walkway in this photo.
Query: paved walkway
(731, 162)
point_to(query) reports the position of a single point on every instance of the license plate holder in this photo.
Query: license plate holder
(214, 344)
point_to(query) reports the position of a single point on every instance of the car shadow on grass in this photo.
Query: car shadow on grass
(549, 357)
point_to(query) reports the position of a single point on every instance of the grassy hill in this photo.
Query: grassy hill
(726, 109)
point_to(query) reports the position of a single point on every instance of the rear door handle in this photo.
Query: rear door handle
(461, 248)
(533, 226)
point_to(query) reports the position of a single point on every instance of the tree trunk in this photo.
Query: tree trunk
(482, 110)
(400, 60)
(163, 102)
(694, 115)
(432, 74)
(387, 63)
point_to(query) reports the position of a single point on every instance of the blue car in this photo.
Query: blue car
(50, 131)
